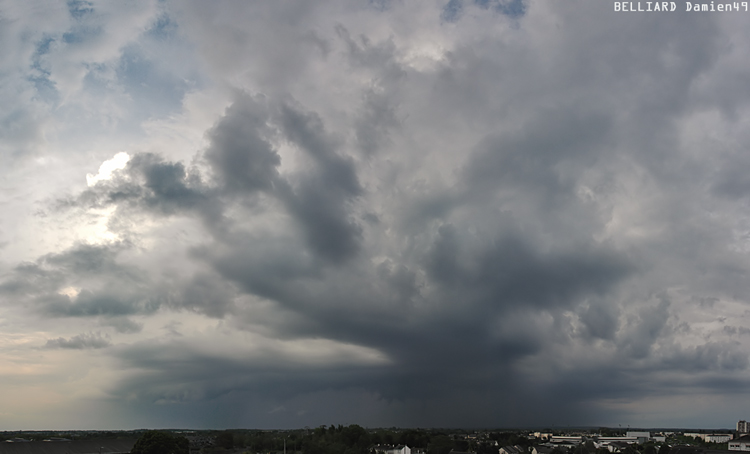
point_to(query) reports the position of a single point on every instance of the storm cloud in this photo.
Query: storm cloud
(464, 213)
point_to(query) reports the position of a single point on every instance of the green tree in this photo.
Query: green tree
(158, 442)
(440, 444)
(225, 440)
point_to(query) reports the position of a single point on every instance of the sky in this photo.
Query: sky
(433, 213)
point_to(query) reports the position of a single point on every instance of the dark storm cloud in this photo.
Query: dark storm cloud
(453, 343)
(536, 157)
(205, 293)
(600, 319)
(510, 272)
(240, 153)
(307, 131)
(320, 199)
(182, 372)
(646, 328)
(490, 212)
(244, 160)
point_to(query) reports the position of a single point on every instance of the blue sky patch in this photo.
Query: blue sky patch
(164, 27)
(513, 8)
(80, 8)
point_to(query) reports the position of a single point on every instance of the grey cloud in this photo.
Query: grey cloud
(207, 294)
(52, 271)
(266, 267)
(150, 183)
(176, 372)
(99, 303)
(377, 117)
(240, 153)
(644, 329)
(329, 228)
(508, 271)
(493, 209)
(306, 129)
(123, 325)
(724, 356)
(28, 278)
(600, 319)
(21, 132)
(104, 287)
(80, 342)
(538, 156)
(731, 181)
(379, 57)
(734, 330)
(170, 187)
(321, 198)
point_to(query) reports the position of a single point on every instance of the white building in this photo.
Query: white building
(541, 435)
(717, 438)
(400, 449)
(740, 444)
(642, 437)
(743, 427)
(711, 438)
(573, 440)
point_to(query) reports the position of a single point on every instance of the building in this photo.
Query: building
(614, 444)
(541, 450)
(571, 440)
(743, 427)
(711, 438)
(512, 450)
(717, 438)
(542, 435)
(400, 449)
(642, 437)
(617, 446)
(740, 444)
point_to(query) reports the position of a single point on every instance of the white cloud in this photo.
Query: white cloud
(118, 161)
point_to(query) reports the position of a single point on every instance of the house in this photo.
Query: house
(617, 446)
(740, 444)
(641, 437)
(716, 438)
(542, 435)
(711, 438)
(512, 450)
(570, 441)
(387, 449)
(541, 450)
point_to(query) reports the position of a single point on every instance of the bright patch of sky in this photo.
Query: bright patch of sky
(118, 161)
